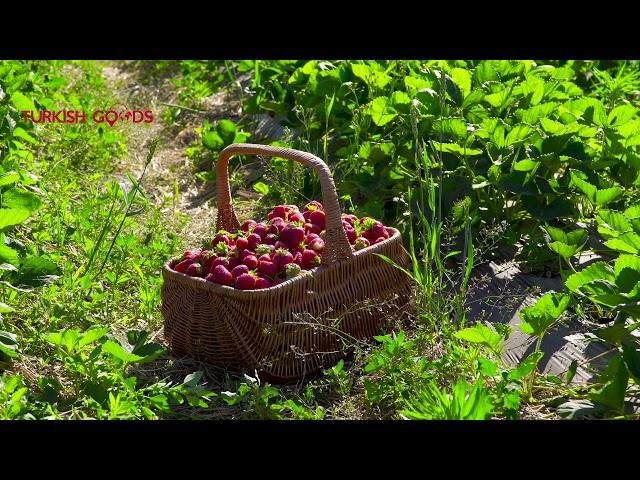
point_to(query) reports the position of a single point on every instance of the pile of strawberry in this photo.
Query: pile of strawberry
(262, 255)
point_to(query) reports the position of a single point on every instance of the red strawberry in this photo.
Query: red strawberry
(250, 261)
(267, 268)
(315, 228)
(279, 211)
(207, 260)
(361, 243)
(318, 217)
(221, 236)
(310, 259)
(365, 234)
(262, 282)
(239, 270)
(297, 218)
(194, 254)
(349, 218)
(183, 265)
(297, 259)
(220, 275)
(220, 261)
(292, 235)
(282, 257)
(292, 270)
(233, 262)
(260, 229)
(279, 223)
(307, 215)
(378, 230)
(379, 240)
(271, 238)
(194, 270)
(253, 241)
(242, 254)
(265, 257)
(245, 281)
(281, 244)
(248, 225)
(272, 229)
(351, 235)
(311, 237)
(242, 243)
(317, 245)
(313, 206)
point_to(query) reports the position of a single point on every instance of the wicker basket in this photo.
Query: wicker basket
(296, 328)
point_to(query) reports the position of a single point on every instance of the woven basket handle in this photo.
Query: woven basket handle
(337, 246)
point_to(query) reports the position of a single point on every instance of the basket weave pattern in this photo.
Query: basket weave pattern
(295, 328)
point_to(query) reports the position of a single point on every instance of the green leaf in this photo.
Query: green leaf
(12, 216)
(621, 114)
(487, 367)
(115, 350)
(585, 187)
(571, 372)
(21, 133)
(518, 133)
(540, 316)
(526, 366)
(381, 110)
(575, 237)
(92, 335)
(455, 148)
(35, 271)
(261, 188)
(20, 199)
(9, 255)
(226, 129)
(595, 271)
(482, 334)
(473, 98)
(497, 99)
(633, 212)
(451, 126)
(21, 102)
(612, 224)
(607, 195)
(9, 178)
(373, 78)
(212, 141)
(415, 84)
(463, 80)
(613, 334)
(631, 356)
(626, 243)
(427, 102)
(4, 308)
(564, 250)
(525, 165)
(613, 393)
(627, 271)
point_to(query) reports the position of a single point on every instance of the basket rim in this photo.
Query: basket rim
(201, 283)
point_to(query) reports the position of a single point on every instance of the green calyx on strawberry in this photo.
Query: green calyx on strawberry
(282, 257)
(221, 249)
(292, 270)
(361, 243)
(263, 249)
